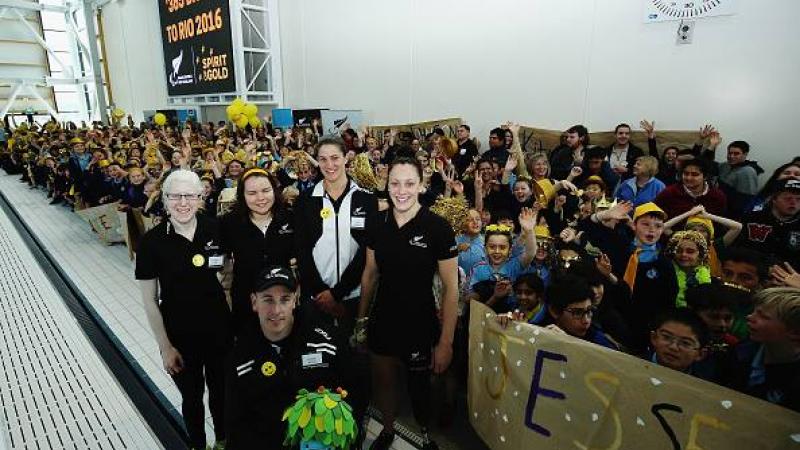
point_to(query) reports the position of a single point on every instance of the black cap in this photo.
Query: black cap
(788, 185)
(272, 276)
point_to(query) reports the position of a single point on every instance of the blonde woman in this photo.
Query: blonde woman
(643, 186)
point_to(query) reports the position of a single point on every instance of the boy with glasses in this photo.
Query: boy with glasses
(570, 310)
(678, 340)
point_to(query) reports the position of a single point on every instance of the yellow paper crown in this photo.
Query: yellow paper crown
(497, 228)
(603, 203)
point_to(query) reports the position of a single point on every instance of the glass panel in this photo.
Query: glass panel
(55, 66)
(249, 34)
(52, 20)
(58, 40)
(68, 101)
(252, 62)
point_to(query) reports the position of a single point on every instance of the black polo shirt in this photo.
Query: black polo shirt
(407, 259)
(192, 299)
(253, 250)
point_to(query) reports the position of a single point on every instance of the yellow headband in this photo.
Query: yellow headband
(253, 171)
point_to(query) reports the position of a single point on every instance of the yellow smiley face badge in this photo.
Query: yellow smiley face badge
(325, 213)
(268, 369)
(198, 260)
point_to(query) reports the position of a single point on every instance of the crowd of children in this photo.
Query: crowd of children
(661, 253)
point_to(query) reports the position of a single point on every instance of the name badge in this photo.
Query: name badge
(215, 262)
(357, 222)
(312, 359)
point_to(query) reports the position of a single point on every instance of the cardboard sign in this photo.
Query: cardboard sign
(419, 129)
(530, 387)
(534, 139)
(105, 221)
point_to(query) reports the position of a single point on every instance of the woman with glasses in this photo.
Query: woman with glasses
(257, 233)
(176, 265)
(570, 310)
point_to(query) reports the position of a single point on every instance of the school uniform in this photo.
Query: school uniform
(195, 314)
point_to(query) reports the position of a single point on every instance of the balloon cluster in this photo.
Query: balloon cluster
(242, 114)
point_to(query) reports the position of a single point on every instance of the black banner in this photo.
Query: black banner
(198, 50)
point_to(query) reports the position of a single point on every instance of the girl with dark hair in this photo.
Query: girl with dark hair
(403, 297)
(257, 233)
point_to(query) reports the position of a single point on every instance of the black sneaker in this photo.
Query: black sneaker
(383, 442)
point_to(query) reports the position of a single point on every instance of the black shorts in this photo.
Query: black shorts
(404, 340)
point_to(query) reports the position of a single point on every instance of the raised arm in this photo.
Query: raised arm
(669, 224)
(733, 227)
(527, 221)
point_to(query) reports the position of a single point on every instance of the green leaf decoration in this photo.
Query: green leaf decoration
(298, 405)
(302, 393)
(292, 428)
(305, 417)
(329, 402)
(327, 439)
(338, 425)
(337, 413)
(319, 423)
(335, 397)
(308, 433)
(328, 421)
(319, 407)
(348, 416)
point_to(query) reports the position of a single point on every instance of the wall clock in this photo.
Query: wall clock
(666, 10)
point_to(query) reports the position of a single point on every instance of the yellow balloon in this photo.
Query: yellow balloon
(242, 121)
(255, 122)
(160, 119)
(118, 113)
(234, 110)
(250, 110)
(231, 112)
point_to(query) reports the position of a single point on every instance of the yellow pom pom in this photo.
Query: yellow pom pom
(255, 122)
(118, 113)
(250, 110)
(160, 119)
(242, 121)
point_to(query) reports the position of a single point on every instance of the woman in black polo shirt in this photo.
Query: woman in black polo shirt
(406, 247)
(177, 262)
(258, 232)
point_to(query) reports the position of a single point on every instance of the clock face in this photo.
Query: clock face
(662, 10)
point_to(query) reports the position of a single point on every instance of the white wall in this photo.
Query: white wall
(550, 63)
(135, 57)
